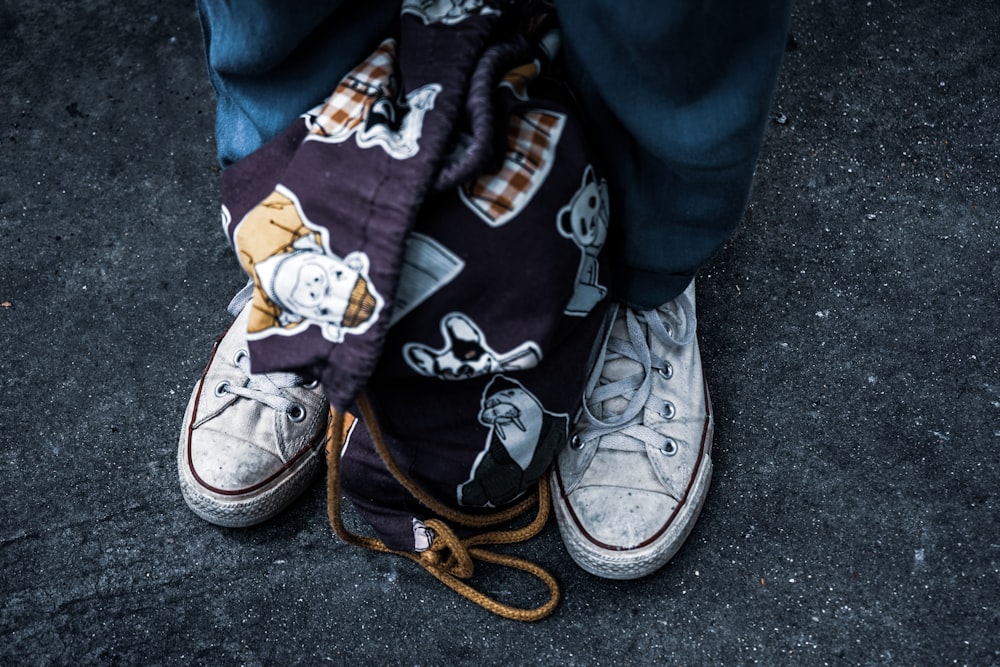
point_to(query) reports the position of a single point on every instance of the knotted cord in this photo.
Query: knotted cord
(449, 558)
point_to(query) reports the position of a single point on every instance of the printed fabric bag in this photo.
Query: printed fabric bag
(427, 244)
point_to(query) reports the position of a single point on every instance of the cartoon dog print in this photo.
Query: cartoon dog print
(466, 353)
(522, 441)
(298, 280)
(585, 221)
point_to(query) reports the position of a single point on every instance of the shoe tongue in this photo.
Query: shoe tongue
(620, 368)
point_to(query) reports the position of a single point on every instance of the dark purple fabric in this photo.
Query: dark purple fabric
(366, 198)
(483, 244)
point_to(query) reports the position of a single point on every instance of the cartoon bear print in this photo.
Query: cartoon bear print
(585, 221)
(522, 441)
(466, 353)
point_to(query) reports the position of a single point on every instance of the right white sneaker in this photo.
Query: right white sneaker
(629, 487)
(250, 443)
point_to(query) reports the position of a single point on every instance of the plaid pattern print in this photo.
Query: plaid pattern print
(532, 137)
(347, 107)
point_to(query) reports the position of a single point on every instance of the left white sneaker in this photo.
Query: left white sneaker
(250, 444)
(630, 485)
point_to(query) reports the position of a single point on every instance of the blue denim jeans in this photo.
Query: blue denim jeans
(678, 92)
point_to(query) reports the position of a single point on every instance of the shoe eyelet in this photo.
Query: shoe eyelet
(296, 413)
(666, 372)
(575, 442)
(221, 389)
(669, 411)
(239, 356)
(669, 447)
(311, 385)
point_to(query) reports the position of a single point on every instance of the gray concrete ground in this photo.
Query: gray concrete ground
(849, 331)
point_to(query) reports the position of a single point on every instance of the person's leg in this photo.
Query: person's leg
(251, 443)
(270, 60)
(678, 92)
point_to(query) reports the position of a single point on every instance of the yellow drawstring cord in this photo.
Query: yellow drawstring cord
(449, 558)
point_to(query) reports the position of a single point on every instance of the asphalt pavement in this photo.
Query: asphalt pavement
(849, 333)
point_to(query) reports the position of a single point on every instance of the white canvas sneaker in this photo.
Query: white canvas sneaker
(250, 443)
(630, 485)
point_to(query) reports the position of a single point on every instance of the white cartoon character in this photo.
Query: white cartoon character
(422, 535)
(397, 127)
(368, 106)
(298, 279)
(448, 12)
(523, 440)
(585, 221)
(309, 285)
(226, 218)
(466, 353)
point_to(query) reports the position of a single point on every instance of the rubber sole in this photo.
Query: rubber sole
(631, 563)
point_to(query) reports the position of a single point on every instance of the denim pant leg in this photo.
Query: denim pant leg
(271, 60)
(678, 91)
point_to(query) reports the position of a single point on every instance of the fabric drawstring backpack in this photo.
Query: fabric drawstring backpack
(427, 244)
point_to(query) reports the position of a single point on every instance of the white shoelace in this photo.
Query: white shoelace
(626, 430)
(265, 388)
